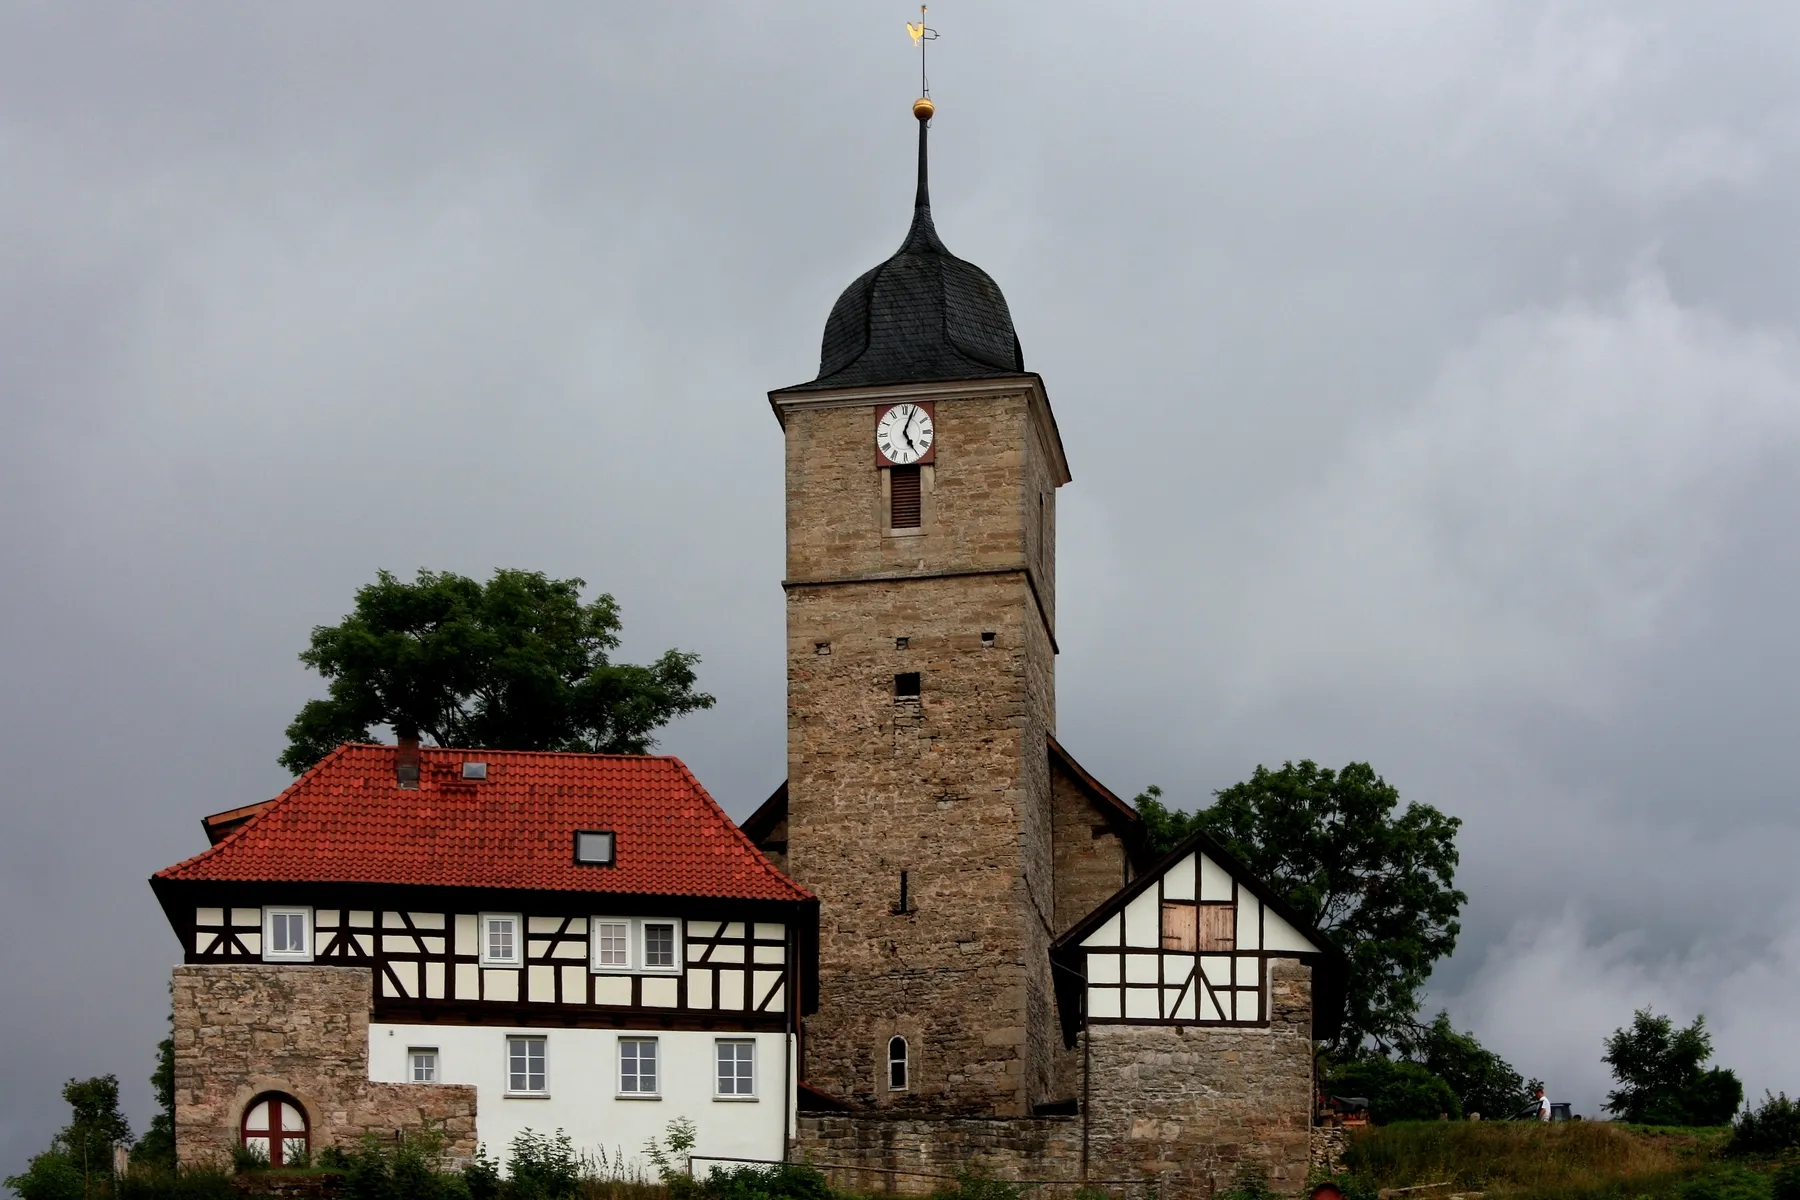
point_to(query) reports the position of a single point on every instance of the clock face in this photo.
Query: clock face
(903, 434)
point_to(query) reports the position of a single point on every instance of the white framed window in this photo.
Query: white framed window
(897, 1065)
(649, 944)
(639, 1073)
(734, 1069)
(611, 943)
(287, 935)
(502, 940)
(422, 1064)
(660, 942)
(527, 1066)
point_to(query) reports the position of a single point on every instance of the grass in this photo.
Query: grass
(1581, 1160)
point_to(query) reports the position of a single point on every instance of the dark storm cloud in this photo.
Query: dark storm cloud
(1428, 374)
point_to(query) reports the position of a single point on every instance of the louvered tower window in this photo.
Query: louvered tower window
(903, 498)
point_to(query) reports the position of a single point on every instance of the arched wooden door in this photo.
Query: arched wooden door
(275, 1126)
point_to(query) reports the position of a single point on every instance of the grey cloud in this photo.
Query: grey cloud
(1427, 374)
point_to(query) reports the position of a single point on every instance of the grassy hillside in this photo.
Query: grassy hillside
(1581, 1160)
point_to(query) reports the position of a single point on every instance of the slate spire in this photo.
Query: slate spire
(924, 315)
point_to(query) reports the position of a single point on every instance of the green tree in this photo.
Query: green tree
(517, 663)
(79, 1163)
(1662, 1077)
(1483, 1082)
(1378, 880)
(157, 1146)
(1396, 1090)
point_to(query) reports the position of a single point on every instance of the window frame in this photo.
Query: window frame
(612, 848)
(269, 913)
(518, 955)
(413, 1055)
(276, 1132)
(594, 963)
(719, 1044)
(678, 951)
(905, 1062)
(525, 1093)
(656, 1068)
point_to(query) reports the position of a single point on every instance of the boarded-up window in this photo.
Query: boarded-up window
(1180, 926)
(903, 498)
(1218, 927)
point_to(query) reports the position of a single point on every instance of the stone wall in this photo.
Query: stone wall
(914, 1155)
(951, 788)
(304, 1030)
(1189, 1104)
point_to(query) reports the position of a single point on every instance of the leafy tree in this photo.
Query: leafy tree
(1397, 1090)
(1771, 1128)
(1377, 881)
(1661, 1078)
(157, 1146)
(517, 663)
(79, 1163)
(1483, 1082)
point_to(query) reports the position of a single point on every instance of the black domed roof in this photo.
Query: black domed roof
(922, 315)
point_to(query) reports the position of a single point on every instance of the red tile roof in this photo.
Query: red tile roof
(347, 821)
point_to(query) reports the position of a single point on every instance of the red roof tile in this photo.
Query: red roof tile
(347, 821)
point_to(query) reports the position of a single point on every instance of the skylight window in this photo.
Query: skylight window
(594, 846)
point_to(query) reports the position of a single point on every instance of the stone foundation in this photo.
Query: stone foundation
(1180, 1107)
(1190, 1105)
(303, 1030)
(914, 1155)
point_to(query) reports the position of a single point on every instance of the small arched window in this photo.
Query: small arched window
(275, 1127)
(897, 1064)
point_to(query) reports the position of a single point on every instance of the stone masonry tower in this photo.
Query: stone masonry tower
(922, 468)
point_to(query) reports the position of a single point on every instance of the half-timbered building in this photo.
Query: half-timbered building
(993, 967)
(545, 941)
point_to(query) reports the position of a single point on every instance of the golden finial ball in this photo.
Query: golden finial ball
(923, 108)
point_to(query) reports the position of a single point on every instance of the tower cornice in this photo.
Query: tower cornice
(786, 400)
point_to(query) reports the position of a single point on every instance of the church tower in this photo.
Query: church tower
(922, 468)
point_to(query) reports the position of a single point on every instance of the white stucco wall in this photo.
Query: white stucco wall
(583, 1081)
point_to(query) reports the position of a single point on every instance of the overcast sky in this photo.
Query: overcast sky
(1427, 371)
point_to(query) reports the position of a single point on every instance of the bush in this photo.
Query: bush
(975, 1184)
(49, 1176)
(1785, 1184)
(1250, 1183)
(783, 1181)
(1770, 1129)
(542, 1168)
(1397, 1091)
(165, 1183)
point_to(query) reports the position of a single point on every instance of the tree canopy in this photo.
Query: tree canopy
(1661, 1078)
(517, 663)
(79, 1163)
(1375, 878)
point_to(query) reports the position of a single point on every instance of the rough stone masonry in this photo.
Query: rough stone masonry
(302, 1030)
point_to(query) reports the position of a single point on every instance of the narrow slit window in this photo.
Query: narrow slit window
(904, 504)
(906, 685)
(897, 1064)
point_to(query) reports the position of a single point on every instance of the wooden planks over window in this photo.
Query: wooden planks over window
(1191, 928)
(904, 507)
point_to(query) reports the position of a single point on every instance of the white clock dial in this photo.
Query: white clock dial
(903, 434)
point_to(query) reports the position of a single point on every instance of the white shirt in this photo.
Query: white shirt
(1543, 1108)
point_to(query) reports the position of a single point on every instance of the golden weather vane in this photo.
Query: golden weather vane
(922, 33)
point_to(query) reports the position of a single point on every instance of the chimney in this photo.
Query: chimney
(406, 761)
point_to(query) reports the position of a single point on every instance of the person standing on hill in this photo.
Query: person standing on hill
(1543, 1103)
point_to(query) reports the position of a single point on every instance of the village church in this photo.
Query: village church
(940, 940)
